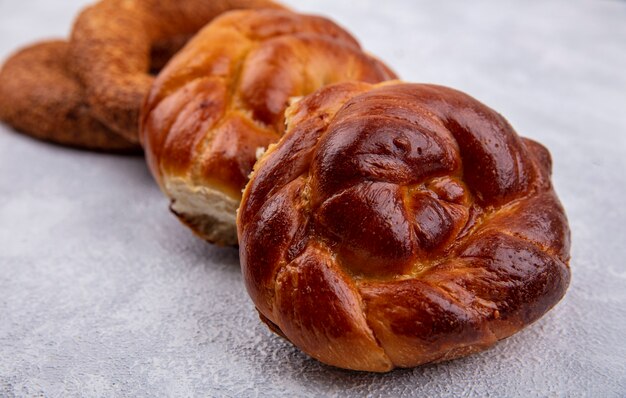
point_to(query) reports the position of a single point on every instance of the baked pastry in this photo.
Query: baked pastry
(113, 43)
(223, 97)
(40, 97)
(399, 224)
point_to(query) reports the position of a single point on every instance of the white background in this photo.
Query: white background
(103, 292)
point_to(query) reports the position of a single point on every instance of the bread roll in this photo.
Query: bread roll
(222, 99)
(399, 224)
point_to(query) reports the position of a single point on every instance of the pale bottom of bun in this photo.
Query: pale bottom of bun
(208, 211)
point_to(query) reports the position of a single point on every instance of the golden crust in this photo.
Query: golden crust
(40, 97)
(113, 41)
(223, 97)
(400, 224)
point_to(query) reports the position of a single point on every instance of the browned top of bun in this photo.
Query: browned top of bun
(115, 42)
(224, 95)
(400, 224)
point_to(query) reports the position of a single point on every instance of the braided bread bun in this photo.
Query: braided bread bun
(399, 224)
(223, 97)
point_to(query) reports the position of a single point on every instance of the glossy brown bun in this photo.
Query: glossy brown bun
(40, 97)
(399, 224)
(113, 44)
(222, 98)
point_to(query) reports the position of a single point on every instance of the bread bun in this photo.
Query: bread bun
(399, 224)
(222, 99)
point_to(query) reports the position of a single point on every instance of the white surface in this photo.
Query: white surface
(104, 293)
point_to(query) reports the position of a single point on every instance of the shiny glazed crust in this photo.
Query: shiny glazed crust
(114, 43)
(400, 224)
(223, 97)
(40, 97)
